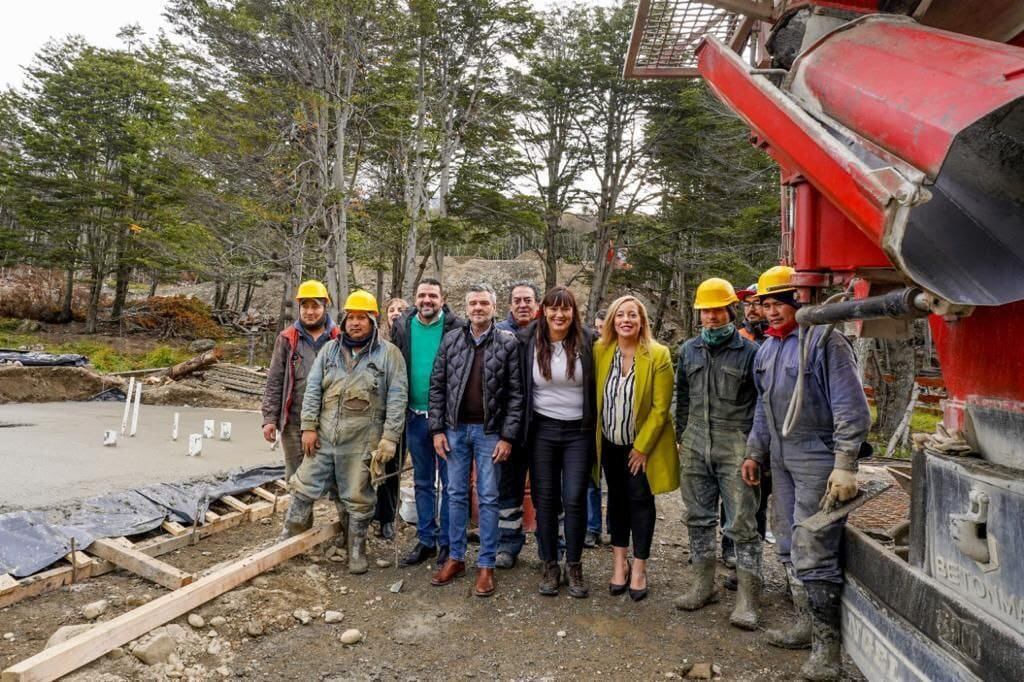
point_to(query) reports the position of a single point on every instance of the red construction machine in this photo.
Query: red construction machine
(898, 128)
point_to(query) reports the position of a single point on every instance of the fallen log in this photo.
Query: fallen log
(201, 361)
(72, 654)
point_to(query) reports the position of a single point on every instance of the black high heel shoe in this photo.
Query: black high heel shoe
(615, 589)
(638, 595)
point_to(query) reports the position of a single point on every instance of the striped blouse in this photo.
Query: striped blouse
(617, 420)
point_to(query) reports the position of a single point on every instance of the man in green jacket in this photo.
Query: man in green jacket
(715, 399)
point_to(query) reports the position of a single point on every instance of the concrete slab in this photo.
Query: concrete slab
(59, 454)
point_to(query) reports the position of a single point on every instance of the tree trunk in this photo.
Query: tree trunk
(380, 284)
(248, 296)
(659, 311)
(66, 312)
(153, 285)
(202, 361)
(238, 295)
(415, 189)
(120, 290)
(92, 312)
(551, 252)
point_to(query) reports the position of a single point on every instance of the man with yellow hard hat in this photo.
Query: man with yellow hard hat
(294, 351)
(353, 414)
(813, 455)
(715, 399)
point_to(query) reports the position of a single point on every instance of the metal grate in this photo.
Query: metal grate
(665, 36)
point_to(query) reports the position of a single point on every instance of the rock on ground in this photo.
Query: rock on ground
(65, 633)
(195, 620)
(155, 650)
(94, 610)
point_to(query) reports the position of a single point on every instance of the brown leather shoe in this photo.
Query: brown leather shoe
(451, 570)
(484, 582)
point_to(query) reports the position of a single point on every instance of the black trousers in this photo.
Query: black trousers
(561, 458)
(631, 508)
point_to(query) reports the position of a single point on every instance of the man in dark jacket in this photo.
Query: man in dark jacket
(523, 306)
(418, 333)
(476, 409)
(715, 399)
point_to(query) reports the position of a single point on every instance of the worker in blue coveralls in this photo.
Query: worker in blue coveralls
(814, 461)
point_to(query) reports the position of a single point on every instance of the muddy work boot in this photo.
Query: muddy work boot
(798, 635)
(577, 585)
(824, 664)
(550, 579)
(357, 528)
(748, 578)
(299, 518)
(341, 539)
(703, 590)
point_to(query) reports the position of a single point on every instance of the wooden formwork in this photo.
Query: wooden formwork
(107, 555)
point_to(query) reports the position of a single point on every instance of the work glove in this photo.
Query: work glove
(842, 482)
(384, 453)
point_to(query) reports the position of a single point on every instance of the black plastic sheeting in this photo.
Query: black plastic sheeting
(32, 540)
(39, 359)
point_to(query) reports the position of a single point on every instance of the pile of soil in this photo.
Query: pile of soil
(53, 384)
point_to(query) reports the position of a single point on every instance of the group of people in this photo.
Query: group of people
(538, 396)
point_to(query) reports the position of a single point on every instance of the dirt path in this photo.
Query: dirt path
(424, 632)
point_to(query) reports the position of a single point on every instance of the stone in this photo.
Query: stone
(136, 600)
(225, 671)
(337, 558)
(28, 326)
(302, 615)
(330, 551)
(218, 621)
(333, 616)
(253, 629)
(179, 633)
(260, 581)
(561, 633)
(116, 654)
(397, 587)
(9, 636)
(215, 648)
(155, 650)
(94, 610)
(351, 636)
(383, 563)
(65, 633)
(700, 671)
(201, 345)
(212, 633)
(196, 621)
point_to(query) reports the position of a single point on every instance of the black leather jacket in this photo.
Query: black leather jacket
(502, 382)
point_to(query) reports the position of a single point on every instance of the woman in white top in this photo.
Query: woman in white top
(558, 376)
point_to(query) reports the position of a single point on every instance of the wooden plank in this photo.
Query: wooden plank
(125, 556)
(72, 654)
(235, 503)
(174, 528)
(8, 583)
(80, 560)
(212, 516)
(264, 494)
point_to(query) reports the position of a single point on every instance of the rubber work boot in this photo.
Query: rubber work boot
(341, 539)
(577, 585)
(357, 528)
(824, 664)
(797, 636)
(299, 518)
(748, 577)
(550, 579)
(703, 590)
(744, 614)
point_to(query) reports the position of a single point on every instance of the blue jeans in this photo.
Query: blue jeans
(425, 465)
(470, 445)
(594, 507)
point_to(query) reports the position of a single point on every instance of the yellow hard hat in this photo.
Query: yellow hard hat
(362, 301)
(714, 293)
(312, 288)
(775, 280)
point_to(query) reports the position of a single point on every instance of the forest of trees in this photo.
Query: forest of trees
(299, 138)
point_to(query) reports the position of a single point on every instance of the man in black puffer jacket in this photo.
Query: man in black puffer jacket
(475, 415)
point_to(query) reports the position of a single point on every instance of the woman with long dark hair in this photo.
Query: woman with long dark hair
(558, 376)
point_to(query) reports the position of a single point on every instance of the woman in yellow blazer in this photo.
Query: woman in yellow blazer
(636, 443)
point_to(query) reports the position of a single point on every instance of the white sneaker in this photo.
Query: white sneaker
(769, 537)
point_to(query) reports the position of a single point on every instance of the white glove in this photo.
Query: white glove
(842, 487)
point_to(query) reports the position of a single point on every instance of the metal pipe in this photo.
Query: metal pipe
(899, 304)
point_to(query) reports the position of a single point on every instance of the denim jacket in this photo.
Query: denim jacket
(834, 417)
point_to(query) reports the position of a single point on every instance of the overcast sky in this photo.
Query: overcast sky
(26, 26)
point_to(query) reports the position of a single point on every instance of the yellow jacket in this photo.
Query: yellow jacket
(655, 433)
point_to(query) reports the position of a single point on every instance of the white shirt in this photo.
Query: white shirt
(561, 398)
(618, 421)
